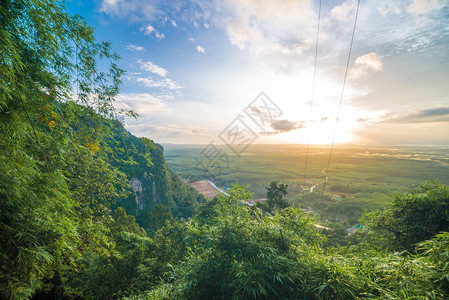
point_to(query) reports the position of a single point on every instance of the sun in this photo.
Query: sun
(321, 128)
(320, 133)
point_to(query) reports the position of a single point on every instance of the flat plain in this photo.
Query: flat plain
(359, 177)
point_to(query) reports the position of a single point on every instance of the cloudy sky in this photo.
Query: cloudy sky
(196, 69)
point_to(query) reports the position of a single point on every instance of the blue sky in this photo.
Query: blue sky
(194, 66)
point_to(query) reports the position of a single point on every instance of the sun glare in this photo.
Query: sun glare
(316, 124)
(320, 134)
(321, 128)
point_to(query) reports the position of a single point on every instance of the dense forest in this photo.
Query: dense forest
(89, 211)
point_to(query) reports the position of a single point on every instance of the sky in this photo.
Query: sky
(241, 71)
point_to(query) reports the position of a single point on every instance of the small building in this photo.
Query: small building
(354, 229)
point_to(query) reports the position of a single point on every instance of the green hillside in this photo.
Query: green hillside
(151, 180)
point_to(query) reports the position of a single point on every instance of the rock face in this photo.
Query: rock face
(136, 186)
(150, 179)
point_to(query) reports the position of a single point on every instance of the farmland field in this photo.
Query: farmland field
(359, 177)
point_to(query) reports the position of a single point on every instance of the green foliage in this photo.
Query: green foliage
(158, 217)
(64, 162)
(125, 223)
(436, 251)
(56, 186)
(412, 217)
(336, 235)
(244, 253)
(276, 196)
(104, 277)
(233, 251)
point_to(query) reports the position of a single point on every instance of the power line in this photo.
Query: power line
(341, 100)
(313, 91)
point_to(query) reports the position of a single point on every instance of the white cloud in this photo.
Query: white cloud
(110, 6)
(140, 103)
(418, 7)
(206, 25)
(281, 33)
(132, 47)
(150, 67)
(389, 8)
(200, 49)
(151, 30)
(163, 83)
(344, 12)
(365, 63)
(195, 24)
(156, 83)
(173, 22)
(240, 35)
(256, 26)
(169, 131)
(132, 10)
(371, 61)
